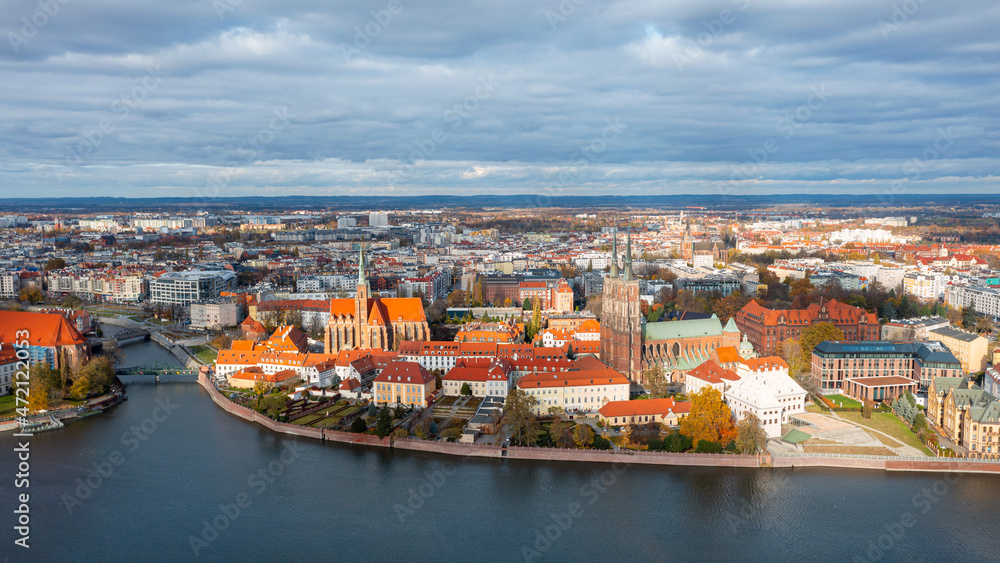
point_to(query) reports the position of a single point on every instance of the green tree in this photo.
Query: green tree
(466, 390)
(519, 418)
(358, 425)
(383, 424)
(561, 433)
(750, 435)
(55, 264)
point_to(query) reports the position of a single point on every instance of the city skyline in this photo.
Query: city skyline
(227, 98)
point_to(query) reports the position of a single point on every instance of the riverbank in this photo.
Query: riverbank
(183, 355)
(604, 456)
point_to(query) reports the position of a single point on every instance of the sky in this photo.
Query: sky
(225, 98)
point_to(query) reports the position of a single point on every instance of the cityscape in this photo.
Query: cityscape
(704, 281)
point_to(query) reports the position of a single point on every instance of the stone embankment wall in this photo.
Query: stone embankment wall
(598, 456)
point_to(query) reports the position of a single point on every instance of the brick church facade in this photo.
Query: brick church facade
(373, 322)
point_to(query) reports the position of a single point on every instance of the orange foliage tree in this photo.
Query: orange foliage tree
(710, 418)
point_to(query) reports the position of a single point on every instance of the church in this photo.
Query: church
(630, 345)
(373, 322)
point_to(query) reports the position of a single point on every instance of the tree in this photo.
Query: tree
(466, 390)
(458, 298)
(55, 264)
(80, 388)
(655, 381)
(727, 307)
(38, 391)
(31, 295)
(594, 305)
(750, 435)
(561, 433)
(400, 433)
(383, 424)
(813, 335)
(358, 425)
(791, 351)
(866, 409)
(519, 418)
(71, 302)
(710, 419)
(583, 435)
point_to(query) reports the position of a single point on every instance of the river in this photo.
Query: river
(182, 480)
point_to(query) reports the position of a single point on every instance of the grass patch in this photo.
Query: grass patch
(814, 409)
(845, 402)
(206, 354)
(888, 423)
(7, 405)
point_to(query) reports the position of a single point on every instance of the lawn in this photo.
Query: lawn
(206, 354)
(842, 401)
(888, 423)
(7, 406)
(814, 409)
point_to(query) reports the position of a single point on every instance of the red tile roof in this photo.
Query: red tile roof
(655, 407)
(43, 329)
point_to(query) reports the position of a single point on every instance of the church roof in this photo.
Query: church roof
(673, 330)
(44, 329)
(731, 326)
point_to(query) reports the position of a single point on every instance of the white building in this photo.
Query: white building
(378, 219)
(346, 222)
(214, 314)
(192, 286)
(10, 285)
(765, 389)
(577, 391)
(925, 286)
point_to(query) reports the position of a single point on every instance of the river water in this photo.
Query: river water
(167, 476)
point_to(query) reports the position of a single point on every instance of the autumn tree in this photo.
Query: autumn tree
(519, 418)
(791, 351)
(583, 435)
(726, 307)
(813, 335)
(561, 433)
(656, 382)
(710, 419)
(750, 435)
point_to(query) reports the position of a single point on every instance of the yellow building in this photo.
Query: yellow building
(948, 399)
(970, 349)
(404, 383)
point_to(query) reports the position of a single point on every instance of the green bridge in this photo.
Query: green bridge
(156, 369)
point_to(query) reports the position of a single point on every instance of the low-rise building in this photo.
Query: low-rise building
(404, 383)
(767, 391)
(966, 413)
(575, 391)
(248, 378)
(663, 411)
(834, 362)
(489, 378)
(909, 330)
(214, 314)
(8, 368)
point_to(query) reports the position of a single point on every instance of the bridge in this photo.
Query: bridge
(157, 369)
(131, 334)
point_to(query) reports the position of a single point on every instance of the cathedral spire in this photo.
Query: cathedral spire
(628, 256)
(362, 280)
(614, 252)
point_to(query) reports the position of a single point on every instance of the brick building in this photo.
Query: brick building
(767, 328)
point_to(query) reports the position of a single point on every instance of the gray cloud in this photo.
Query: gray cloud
(701, 87)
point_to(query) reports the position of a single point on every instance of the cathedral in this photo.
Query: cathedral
(630, 345)
(373, 322)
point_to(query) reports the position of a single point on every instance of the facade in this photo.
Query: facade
(10, 285)
(214, 314)
(834, 362)
(965, 413)
(925, 286)
(709, 374)
(985, 300)
(185, 288)
(505, 332)
(249, 378)
(404, 383)
(553, 295)
(485, 379)
(378, 219)
(722, 284)
(885, 388)
(661, 411)
(575, 391)
(679, 346)
(970, 349)
(766, 390)
(8, 369)
(621, 323)
(373, 322)
(767, 328)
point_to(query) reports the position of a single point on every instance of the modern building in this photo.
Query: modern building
(378, 219)
(192, 286)
(10, 285)
(925, 286)
(767, 328)
(834, 362)
(985, 300)
(715, 283)
(214, 314)
(969, 348)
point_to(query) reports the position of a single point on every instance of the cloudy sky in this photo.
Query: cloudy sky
(265, 97)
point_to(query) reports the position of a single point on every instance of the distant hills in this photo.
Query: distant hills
(713, 201)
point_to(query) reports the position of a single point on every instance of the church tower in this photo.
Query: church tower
(361, 304)
(621, 323)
